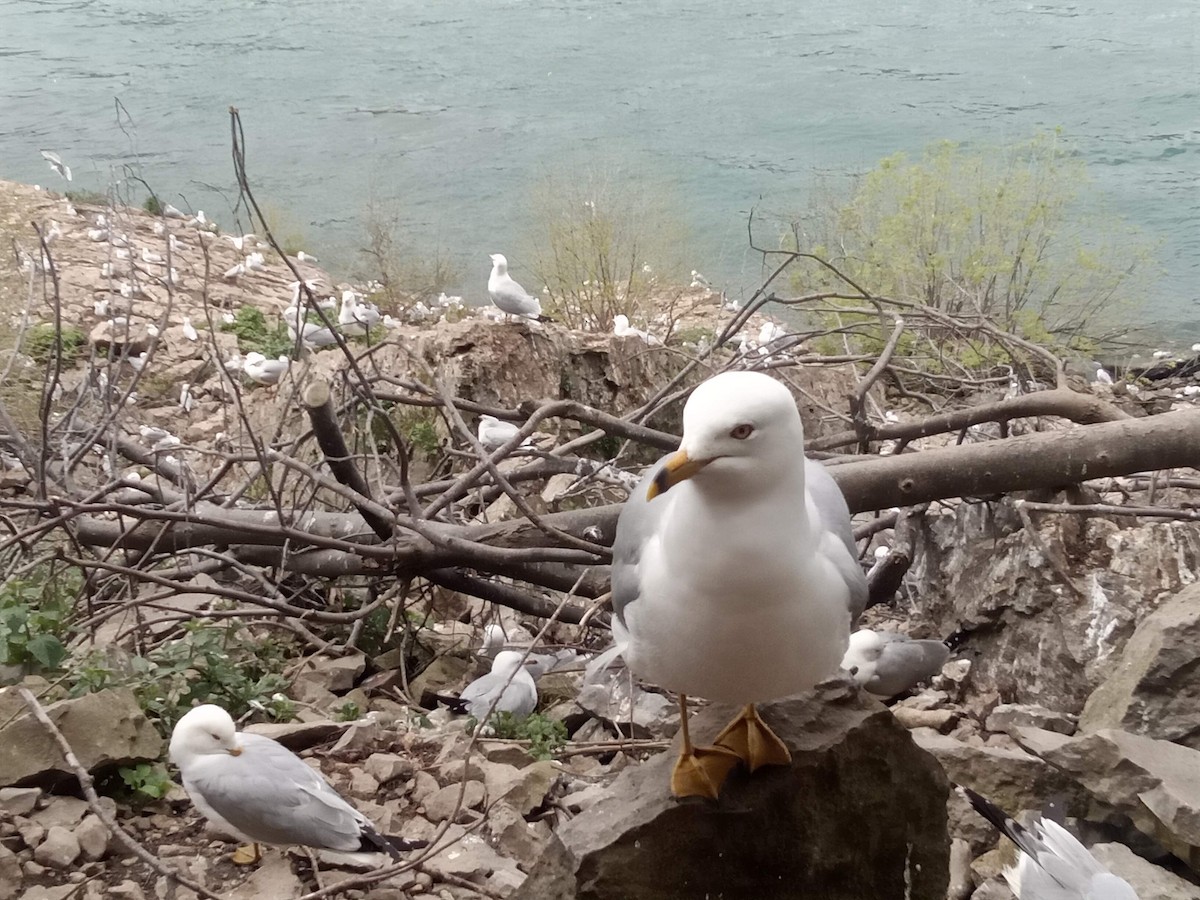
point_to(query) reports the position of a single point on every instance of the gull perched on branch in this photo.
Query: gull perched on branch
(509, 296)
(734, 573)
(57, 164)
(260, 792)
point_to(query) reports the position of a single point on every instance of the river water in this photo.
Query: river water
(446, 114)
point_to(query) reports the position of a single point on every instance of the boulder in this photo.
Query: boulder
(1031, 638)
(1156, 784)
(1147, 879)
(59, 849)
(1155, 687)
(105, 729)
(1007, 716)
(829, 825)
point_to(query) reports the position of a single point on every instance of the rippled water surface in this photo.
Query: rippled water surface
(450, 111)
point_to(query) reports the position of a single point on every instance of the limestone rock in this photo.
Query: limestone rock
(1155, 687)
(10, 874)
(824, 827)
(1147, 879)
(1007, 716)
(977, 569)
(1010, 778)
(388, 767)
(93, 836)
(104, 729)
(273, 878)
(59, 848)
(19, 801)
(641, 715)
(66, 811)
(1155, 783)
(335, 674)
(445, 802)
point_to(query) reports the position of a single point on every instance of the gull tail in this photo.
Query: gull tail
(1008, 826)
(454, 704)
(602, 663)
(544, 318)
(373, 840)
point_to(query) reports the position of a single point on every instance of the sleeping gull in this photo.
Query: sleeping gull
(509, 686)
(886, 664)
(509, 296)
(262, 793)
(734, 575)
(494, 434)
(1053, 864)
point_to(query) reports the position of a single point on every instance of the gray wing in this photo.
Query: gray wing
(512, 298)
(639, 517)
(270, 795)
(833, 516)
(904, 662)
(519, 698)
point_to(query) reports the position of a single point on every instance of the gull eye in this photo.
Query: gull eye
(215, 737)
(854, 670)
(741, 432)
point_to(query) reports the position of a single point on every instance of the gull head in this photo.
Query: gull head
(499, 262)
(741, 433)
(507, 662)
(205, 731)
(862, 654)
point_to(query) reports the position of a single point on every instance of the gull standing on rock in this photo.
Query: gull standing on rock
(262, 370)
(734, 575)
(260, 792)
(509, 296)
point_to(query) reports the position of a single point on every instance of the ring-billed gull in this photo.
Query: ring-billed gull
(734, 575)
(262, 793)
(509, 685)
(1053, 864)
(57, 164)
(509, 296)
(886, 664)
(494, 434)
(262, 370)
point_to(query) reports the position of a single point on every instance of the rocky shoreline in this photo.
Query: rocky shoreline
(1072, 678)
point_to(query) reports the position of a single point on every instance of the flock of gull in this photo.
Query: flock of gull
(735, 578)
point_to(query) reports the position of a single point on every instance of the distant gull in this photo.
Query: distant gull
(97, 234)
(698, 280)
(57, 164)
(241, 243)
(262, 370)
(172, 213)
(494, 434)
(189, 330)
(255, 262)
(260, 792)
(186, 400)
(305, 257)
(734, 573)
(886, 664)
(1053, 864)
(509, 685)
(509, 296)
(1102, 376)
(234, 272)
(622, 328)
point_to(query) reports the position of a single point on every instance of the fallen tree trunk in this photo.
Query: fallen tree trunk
(1043, 460)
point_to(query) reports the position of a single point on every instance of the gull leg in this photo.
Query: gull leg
(699, 771)
(247, 855)
(752, 740)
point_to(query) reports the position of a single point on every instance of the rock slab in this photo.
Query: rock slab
(861, 812)
(104, 729)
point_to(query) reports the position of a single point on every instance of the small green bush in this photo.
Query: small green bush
(34, 616)
(87, 198)
(254, 334)
(153, 205)
(41, 341)
(545, 736)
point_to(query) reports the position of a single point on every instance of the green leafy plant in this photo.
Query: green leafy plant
(89, 198)
(145, 781)
(348, 711)
(153, 205)
(226, 664)
(34, 613)
(41, 340)
(545, 736)
(254, 334)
